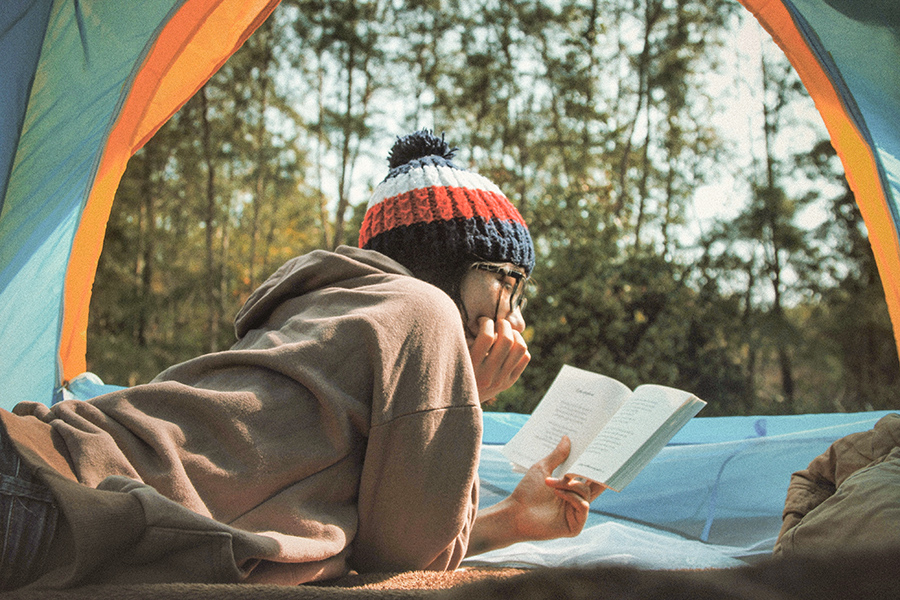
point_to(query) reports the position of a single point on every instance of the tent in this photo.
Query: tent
(846, 54)
(712, 498)
(84, 83)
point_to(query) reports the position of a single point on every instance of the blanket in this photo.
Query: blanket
(860, 575)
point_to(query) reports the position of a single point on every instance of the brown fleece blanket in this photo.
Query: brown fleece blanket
(860, 575)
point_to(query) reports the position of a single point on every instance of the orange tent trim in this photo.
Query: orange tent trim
(191, 47)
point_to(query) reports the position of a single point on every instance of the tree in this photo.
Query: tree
(590, 117)
(770, 245)
(340, 57)
(852, 321)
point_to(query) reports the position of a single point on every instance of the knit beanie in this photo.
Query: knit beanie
(431, 215)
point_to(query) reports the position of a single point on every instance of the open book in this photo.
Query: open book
(614, 431)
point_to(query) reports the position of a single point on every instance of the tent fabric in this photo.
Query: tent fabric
(83, 85)
(846, 54)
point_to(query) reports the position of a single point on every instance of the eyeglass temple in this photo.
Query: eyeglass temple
(520, 284)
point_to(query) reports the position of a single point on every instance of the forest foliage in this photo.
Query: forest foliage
(597, 120)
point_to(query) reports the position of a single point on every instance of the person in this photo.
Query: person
(340, 432)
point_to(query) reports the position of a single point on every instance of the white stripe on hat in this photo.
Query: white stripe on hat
(430, 176)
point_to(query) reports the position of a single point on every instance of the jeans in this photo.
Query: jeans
(28, 516)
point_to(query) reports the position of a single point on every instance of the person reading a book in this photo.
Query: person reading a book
(340, 432)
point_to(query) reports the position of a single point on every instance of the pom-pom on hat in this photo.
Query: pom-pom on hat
(429, 214)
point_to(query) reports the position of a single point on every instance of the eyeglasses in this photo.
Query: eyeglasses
(514, 291)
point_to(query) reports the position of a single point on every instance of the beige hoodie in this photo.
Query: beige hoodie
(341, 431)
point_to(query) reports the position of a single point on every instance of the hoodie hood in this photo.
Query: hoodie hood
(307, 273)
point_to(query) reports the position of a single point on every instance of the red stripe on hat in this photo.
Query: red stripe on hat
(426, 205)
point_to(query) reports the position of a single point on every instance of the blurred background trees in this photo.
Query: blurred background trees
(614, 126)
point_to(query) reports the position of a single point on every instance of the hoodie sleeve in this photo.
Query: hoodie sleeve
(418, 492)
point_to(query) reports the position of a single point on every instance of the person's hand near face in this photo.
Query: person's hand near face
(499, 355)
(492, 303)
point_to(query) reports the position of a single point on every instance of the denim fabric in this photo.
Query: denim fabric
(28, 516)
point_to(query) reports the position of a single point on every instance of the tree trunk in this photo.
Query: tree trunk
(209, 219)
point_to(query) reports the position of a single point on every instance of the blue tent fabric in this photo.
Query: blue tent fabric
(49, 158)
(849, 36)
(712, 498)
(83, 85)
(22, 25)
(846, 53)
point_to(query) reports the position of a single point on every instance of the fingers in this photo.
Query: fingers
(481, 345)
(576, 494)
(499, 355)
(508, 355)
(570, 486)
(585, 489)
(596, 490)
(557, 457)
(576, 513)
(576, 501)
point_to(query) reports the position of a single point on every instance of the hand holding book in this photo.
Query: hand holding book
(541, 507)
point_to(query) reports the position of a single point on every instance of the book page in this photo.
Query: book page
(643, 455)
(636, 422)
(578, 404)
